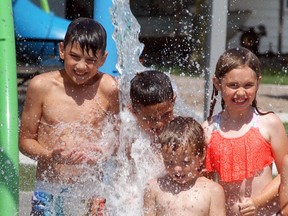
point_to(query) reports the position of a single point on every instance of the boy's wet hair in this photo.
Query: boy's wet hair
(232, 59)
(183, 131)
(150, 88)
(88, 33)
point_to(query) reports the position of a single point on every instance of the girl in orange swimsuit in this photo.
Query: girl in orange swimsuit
(243, 140)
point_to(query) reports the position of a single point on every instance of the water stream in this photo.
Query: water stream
(122, 181)
(126, 178)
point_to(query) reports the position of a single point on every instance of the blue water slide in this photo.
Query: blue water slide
(37, 32)
(102, 15)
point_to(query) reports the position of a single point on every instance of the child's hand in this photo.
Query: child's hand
(93, 155)
(96, 206)
(71, 157)
(247, 207)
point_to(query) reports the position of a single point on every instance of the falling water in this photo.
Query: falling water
(122, 180)
(129, 48)
(125, 178)
(124, 191)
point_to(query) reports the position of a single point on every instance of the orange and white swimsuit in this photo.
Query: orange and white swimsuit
(236, 159)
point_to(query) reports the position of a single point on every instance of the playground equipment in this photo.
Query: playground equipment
(39, 31)
(102, 14)
(8, 114)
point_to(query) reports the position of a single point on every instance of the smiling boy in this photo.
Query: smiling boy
(65, 114)
(183, 190)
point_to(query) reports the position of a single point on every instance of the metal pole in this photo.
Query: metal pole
(102, 15)
(9, 156)
(217, 46)
(281, 23)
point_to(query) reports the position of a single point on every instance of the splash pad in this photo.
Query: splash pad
(125, 178)
(123, 193)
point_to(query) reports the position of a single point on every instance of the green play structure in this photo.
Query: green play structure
(9, 156)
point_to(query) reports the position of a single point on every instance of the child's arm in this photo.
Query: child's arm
(149, 201)
(279, 144)
(249, 206)
(284, 187)
(31, 116)
(273, 128)
(217, 206)
(111, 90)
(278, 139)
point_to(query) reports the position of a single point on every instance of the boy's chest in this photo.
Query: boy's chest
(184, 203)
(62, 108)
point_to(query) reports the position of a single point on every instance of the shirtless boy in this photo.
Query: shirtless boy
(151, 108)
(65, 114)
(183, 190)
(152, 100)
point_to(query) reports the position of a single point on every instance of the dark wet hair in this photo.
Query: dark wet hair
(232, 59)
(182, 131)
(88, 33)
(149, 88)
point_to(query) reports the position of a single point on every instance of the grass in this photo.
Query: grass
(286, 127)
(277, 78)
(26, 177)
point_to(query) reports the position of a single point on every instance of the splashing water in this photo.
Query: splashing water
(128, 46)
(122, 179)
(125, 178)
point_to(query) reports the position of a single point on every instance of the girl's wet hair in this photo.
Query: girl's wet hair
(232, 59)
(88, 33)
(183, 131)
(150, 88)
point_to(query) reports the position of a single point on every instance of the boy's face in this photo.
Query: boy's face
(81, 66)
(153, 118)
(181, 165)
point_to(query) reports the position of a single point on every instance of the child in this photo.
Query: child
(183, 190)
(152, 99)
(137, 158)
(243, 140)
(64, 117)
(284, 187)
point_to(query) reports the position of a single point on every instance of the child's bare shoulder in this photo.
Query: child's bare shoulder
(152, 186)
(43, 81)
(270, 124)
(270, 119)
(152, 182)
(211, 185)
(108, 83)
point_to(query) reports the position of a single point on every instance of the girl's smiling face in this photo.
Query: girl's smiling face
(238, 88)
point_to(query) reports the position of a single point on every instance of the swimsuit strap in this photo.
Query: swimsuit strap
(216, 125)
(254, 124)
(255, 119)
